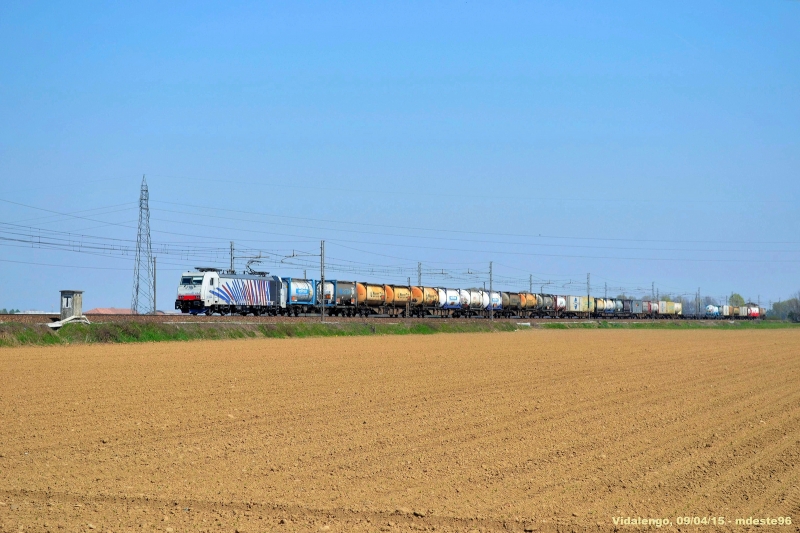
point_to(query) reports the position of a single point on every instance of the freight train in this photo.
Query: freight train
(212, 291)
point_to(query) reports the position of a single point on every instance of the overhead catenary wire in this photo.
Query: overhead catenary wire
(441, 230)
(456, 271)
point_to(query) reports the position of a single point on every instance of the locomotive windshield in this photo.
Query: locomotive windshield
(192, 280)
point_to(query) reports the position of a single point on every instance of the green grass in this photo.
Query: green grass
(13, 334)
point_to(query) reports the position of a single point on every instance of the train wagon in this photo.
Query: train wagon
(579, 307)
(544, 304)
(528, 304)
(496, 302)
(599, 306)
(471, 302)
(339, 297)
(449, 299)
(511, 304)
(301, 295)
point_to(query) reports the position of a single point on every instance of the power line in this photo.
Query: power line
(454, 239)
(417, 228)
(59, 266)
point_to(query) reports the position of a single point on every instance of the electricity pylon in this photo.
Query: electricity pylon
(143, 300)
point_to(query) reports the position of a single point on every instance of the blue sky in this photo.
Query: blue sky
(644, 143)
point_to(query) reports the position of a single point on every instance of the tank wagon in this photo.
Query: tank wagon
(214, 291)
(746, 312)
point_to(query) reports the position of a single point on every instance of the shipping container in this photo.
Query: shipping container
(626, 306)
(743, 311)
(476, 299)
(610, 306)
(397, 295)
(636, 307)
(301, 291)
(530, 301)
(725, 310)
(618, 306)
(752, 312)
(330, 288)
(449, 299)
(427, 296)
(544, 302)
(662, 307)
(561, 303)
(506, 299)
(497, 301)
(463, 295)
(345, 293)
(514, 300)
(371, 295)
(678, 309)
(712, 311)
(580, 304)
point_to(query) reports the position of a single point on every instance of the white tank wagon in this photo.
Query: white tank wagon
(449, 298)
(471, 302)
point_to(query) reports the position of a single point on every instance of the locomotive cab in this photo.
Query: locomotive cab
(193, 291)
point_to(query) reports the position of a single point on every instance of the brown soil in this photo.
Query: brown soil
(532, 430)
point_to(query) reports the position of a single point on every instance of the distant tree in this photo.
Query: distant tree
(794, 308)
(736, 300)
(781, 310)
(3, 311)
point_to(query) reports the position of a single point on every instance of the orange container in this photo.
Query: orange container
(371, 294)
(424, 295)
(528, 300)
(397, 295)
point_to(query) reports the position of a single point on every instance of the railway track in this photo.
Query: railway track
(183, 319)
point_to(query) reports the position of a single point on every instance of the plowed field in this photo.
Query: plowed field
(532, 430)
